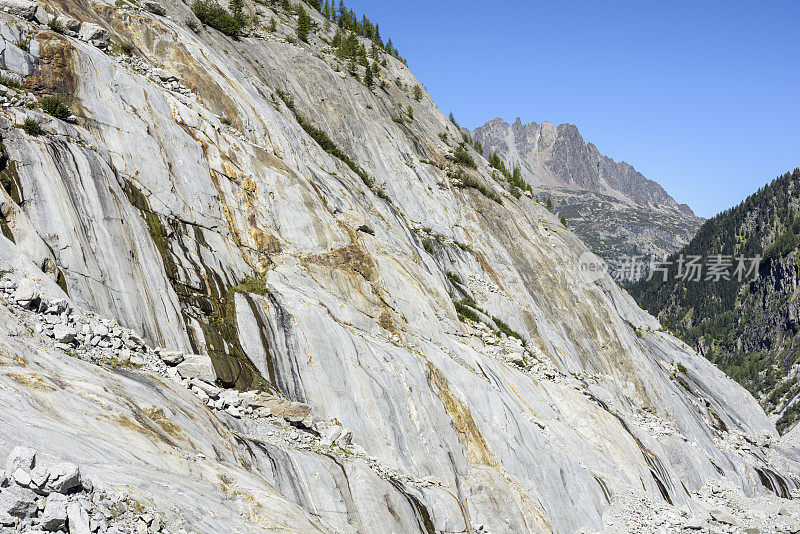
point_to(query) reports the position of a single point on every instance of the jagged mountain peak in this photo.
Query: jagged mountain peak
(558, 156)
(610, 205)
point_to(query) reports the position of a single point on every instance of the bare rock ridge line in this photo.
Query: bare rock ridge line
(610, 205)
(252, 288)
(558, 156)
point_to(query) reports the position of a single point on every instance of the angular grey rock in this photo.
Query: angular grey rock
(63, 477)
(99, 329)
(20, 457)
(94, 34)
(164, 75)
(345, 438)
(197, 366)
(42, 16)
(330, 435)
(293, 412)
(516, 358)
(725, 517)
(39, 475)
(57, 306)
(230, 397)
(17, 501)
(77, 519)
(209, 389)
(54, 516)
(233, 411)
(155, 8)
(171, 357)
(27, 293)
(63, 333)
(200, 393)
(22, 477)
(71, 26)
(21, 8)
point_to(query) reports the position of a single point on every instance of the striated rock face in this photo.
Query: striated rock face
(480, 384)
(610, 205)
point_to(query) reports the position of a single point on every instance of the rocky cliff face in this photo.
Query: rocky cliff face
(611, 206)
(251, 208)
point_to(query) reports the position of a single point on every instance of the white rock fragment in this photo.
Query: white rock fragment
(20, 8)
(725, 517)
(197, 366)
(64, 334)
(77, 519)
(22, 477)
(63, 477)
(54, 516)
(171, 357)
(39, 475)
(209, 389)
(330, 435)
(17, 501)
(94, 34)
(27, 293)
(20, 457)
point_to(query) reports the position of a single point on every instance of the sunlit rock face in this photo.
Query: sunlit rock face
(442, 324)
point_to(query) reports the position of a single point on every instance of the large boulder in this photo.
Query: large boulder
(197, 366)
(54, 516)
(94, 34)
(20, 458)
(155, 8)
(21, 8)
(71, 26)
(63, 477)
(171, 357)
(42, 16)
(78, 519)
(27, 294)
(17, 501)
(294, 412)
(63, 333)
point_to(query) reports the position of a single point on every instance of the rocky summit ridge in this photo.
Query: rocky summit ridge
(615, 209)
(245, 290)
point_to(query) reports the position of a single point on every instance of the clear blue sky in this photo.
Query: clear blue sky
(701, 96)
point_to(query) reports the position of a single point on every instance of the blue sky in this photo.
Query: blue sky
(702, 96)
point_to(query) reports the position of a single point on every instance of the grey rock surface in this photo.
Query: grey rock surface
(54, 516)
(77, 519)
(17, 501)
(21, 457)
(94, 34)
(236, 242)
(199, 366)
(20, 8)
(63, 477)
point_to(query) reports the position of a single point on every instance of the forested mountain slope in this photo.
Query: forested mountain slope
(748, 327)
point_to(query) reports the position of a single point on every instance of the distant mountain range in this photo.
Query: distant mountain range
(613, 207)
(749, 328)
